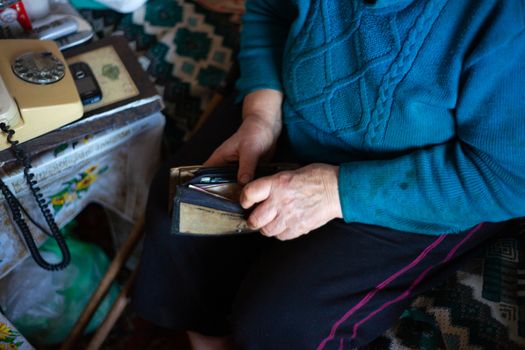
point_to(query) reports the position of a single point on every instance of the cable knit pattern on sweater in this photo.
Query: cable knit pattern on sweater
(399, 68)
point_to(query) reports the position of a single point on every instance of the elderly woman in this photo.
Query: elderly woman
(408, 115)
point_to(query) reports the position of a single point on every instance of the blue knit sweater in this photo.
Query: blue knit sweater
(420, 102)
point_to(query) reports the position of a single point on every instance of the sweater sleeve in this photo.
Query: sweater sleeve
(478, 176)
(266, 24)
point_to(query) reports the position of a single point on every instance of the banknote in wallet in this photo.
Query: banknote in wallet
(205, 200)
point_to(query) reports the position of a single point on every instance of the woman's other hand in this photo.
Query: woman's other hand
(256, 137)
(293, 203)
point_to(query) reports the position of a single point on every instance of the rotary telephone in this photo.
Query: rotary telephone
(37, 95)
(37, 92)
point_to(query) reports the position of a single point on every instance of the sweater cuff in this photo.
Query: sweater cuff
(259, 70)
(356, 193)
(379, 193)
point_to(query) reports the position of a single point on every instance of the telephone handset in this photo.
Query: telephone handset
(37, 91)
(37, 95)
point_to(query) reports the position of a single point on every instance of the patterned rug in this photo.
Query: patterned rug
(482, 307)
(187, 47)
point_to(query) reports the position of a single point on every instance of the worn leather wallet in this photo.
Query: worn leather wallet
(205, 200)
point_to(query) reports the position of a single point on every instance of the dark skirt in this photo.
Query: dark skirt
(338, 287)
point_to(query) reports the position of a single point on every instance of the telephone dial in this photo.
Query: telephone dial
(37, 95)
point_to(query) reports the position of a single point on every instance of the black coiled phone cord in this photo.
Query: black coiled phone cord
(17, 209)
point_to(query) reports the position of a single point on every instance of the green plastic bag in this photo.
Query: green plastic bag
(45, 305)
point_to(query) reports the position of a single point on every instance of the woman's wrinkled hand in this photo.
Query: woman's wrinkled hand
(292, 203)
(256, 137)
